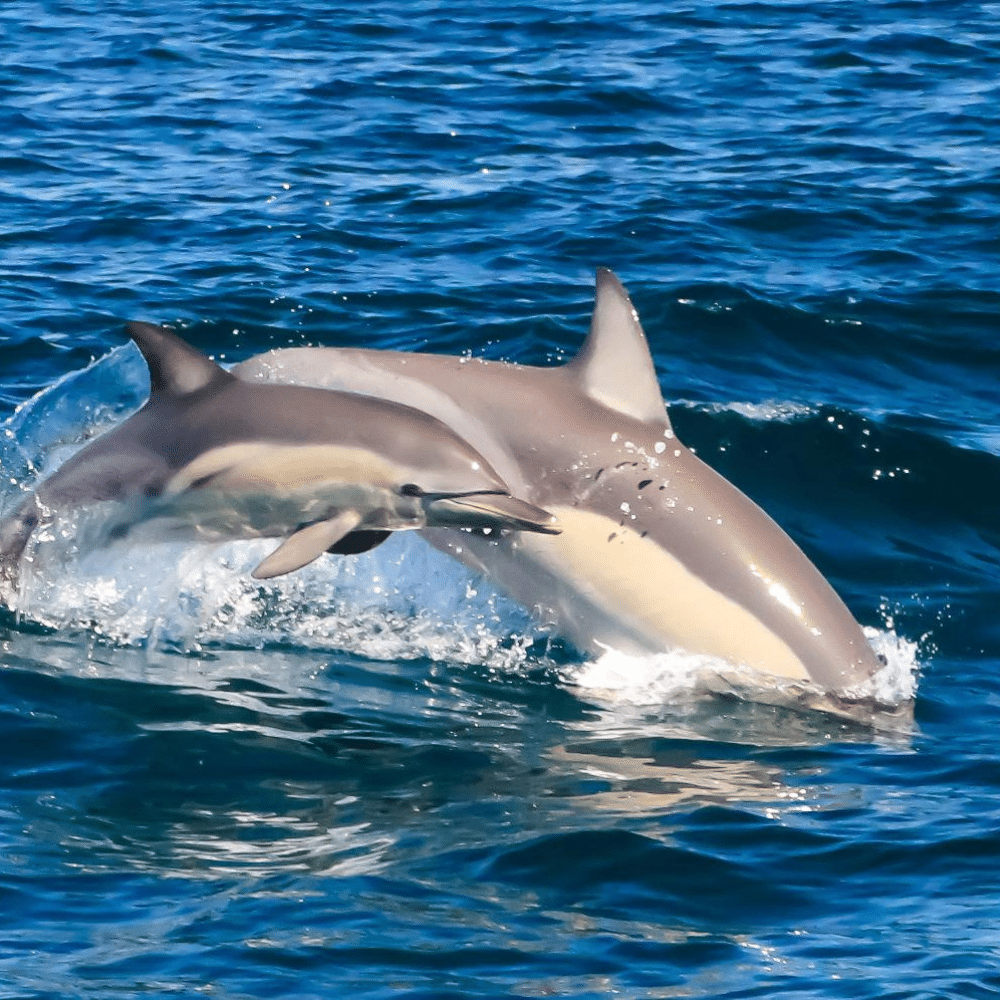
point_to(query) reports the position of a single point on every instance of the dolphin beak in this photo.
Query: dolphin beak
(487, 509)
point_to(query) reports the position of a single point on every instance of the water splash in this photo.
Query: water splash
(769, 410)
(403, 600)
(46, 429)
(679, 676)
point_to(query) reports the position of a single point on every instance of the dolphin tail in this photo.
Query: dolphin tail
(490, 510)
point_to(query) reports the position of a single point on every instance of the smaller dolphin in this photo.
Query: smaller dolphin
(326, 470)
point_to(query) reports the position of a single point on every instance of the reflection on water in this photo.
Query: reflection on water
(670, 779)
(252, 763)
(279, 843)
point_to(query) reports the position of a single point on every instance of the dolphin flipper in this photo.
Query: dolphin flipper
(306, 544)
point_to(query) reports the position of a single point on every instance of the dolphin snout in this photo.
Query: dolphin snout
(488, 509)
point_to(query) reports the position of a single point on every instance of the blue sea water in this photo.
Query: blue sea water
(378, 778)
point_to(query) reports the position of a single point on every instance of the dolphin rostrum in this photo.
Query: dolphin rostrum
(325, 470)
(657, 550)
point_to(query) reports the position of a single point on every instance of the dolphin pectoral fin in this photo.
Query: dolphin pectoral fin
(306, 544)
(490, 510)
(357, 542)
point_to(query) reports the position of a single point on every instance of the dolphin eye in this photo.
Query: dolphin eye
(411, 490)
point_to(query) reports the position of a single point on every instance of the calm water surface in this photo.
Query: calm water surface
(378, 778)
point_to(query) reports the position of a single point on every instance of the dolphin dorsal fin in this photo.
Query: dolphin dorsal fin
(175, 367)
(614, 365)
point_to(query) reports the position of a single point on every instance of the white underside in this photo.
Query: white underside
(597, 577)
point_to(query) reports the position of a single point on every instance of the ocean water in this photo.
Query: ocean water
(379, 777)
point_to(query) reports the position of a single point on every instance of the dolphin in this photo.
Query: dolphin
(657, 550)
(326, 470)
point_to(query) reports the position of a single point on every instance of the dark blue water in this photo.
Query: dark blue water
(378, 779)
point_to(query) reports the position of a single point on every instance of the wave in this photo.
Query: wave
(765, 411)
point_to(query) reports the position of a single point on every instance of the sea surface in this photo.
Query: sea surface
(380, 778)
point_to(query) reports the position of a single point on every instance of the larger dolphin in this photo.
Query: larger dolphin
(657, 550)
(224, 458)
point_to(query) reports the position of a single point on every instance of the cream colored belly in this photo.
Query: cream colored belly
(261, 464)
(637, 582)
(252, 489)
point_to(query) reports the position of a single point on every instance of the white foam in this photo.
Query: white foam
(896, 682)
(643, 680)
(678, 676)
(401, 601)
(772, 410)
